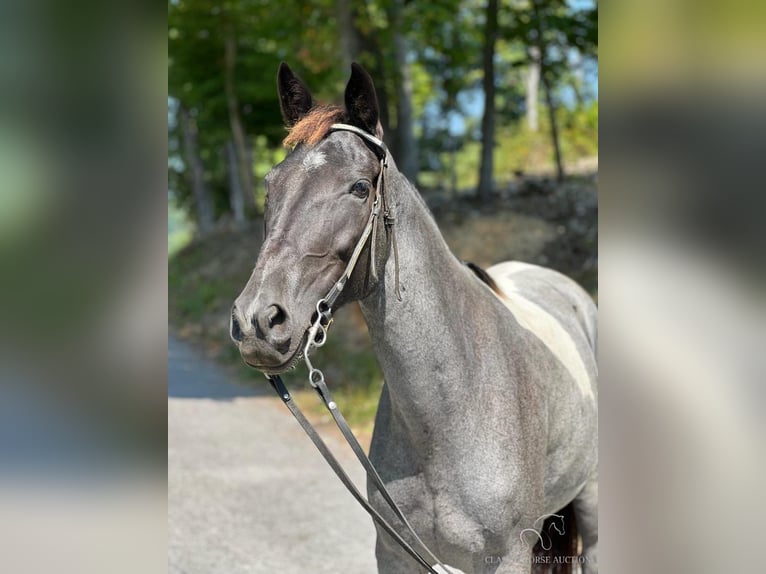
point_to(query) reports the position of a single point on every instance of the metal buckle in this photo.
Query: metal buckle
(317, 337)
(324, 312)
(316, 377)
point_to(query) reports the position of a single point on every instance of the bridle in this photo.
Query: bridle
(379, 201)
(317, 337)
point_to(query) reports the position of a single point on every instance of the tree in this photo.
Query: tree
(405, 145)
(223, 57)
(550, 30)
(486, 181)
(541, 47)
(196, 173)
(532, 87)
(446, 40)
(427, 70)
(243, 162)
(350, 37)
(236, 195)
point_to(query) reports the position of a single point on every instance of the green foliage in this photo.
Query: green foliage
(444, 46)
(580, 131)
(520, 150)
(180, 229)
(264, 33)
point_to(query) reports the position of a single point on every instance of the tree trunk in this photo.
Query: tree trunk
(544, 78)
(486, 183)
(244, 168)
(453, 171)
(202, 201)
(577, 91)
(381, 90)
(554, 126)
(357, 43)
(533, 81)
(236, 197)
(350, 40)
(405, 146)
(577, 79)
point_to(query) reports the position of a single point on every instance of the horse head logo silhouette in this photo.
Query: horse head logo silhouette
(540, 534)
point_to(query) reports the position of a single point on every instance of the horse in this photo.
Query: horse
(488, 417)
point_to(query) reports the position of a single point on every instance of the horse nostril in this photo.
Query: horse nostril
(236, 330)
(277, 316)
(267, 323)
(267, 320)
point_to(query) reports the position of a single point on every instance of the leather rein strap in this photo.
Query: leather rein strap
(280, 388)
(317, 336)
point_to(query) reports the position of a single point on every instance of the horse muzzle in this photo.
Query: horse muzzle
(264, 336)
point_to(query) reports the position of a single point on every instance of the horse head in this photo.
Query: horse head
(318, 202)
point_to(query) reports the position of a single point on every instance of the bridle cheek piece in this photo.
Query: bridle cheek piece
(317, 337)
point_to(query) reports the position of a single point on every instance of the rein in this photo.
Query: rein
(317, 337)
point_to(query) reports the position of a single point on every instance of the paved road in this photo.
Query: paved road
(247, 492)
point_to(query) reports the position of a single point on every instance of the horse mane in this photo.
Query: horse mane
(484, 277)
(312, 127)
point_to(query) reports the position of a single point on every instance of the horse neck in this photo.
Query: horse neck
(416, 336)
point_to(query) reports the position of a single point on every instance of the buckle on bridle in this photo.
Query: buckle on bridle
(324, 312)
(317, 337)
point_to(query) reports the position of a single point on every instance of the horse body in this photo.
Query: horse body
(481, 429)
(488, 416)
(562, 316)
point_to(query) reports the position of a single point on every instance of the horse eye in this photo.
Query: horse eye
(361, 188)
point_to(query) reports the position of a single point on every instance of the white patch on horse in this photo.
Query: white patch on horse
(542, 324)
(314, 160)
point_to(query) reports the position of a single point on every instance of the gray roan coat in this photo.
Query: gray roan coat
(488, 419)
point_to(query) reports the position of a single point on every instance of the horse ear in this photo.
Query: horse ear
(294, 97)
(361, 101)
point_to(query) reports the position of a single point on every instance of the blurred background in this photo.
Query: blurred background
(89, 108)
(489, 107)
